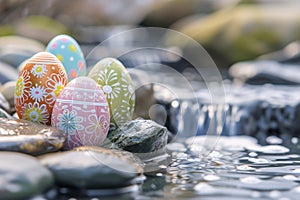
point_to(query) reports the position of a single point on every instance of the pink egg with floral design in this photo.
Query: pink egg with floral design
(40, 81)
(82, 112)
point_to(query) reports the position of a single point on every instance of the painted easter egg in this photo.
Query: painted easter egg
(116, 83)
(67, 50)
(82, 112)
(39, 84)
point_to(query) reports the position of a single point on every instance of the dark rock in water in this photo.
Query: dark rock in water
(138, 136)
(28, 137)
(253, 110)
(261, 111)
(7, 73)
(22, 176)
(93, 168)
(4, 114)
(261, 72)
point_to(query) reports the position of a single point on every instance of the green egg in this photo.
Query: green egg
(117, 84)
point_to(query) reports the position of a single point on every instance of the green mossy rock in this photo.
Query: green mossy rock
(245, 31)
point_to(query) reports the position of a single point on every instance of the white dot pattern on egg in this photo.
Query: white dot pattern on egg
(116, 83)
(67, 50)
(82, 111)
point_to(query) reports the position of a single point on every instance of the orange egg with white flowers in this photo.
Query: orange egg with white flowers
(38, 86)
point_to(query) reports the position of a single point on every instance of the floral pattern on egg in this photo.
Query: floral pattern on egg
(82, 112)
(23, 86)
(38, 86)
(36, 112)
(70, 122)
(116, 83)
(67, 50)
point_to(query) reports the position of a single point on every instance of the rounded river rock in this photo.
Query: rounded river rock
(93, 168)
(22, 176)
(28, 137)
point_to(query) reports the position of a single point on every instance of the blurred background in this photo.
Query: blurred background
(252, 42)
(230, 30)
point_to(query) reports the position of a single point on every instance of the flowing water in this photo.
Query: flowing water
(237, 168)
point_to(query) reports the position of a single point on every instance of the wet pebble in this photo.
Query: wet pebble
(28, 137)
(22, 176)
(138, 136)
(93, 168)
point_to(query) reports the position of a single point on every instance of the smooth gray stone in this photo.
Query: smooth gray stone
(15, 49)
(28, 137)
(16, 58)
(93, 168)
(22, 176)
(7, 73)
(138, 136)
